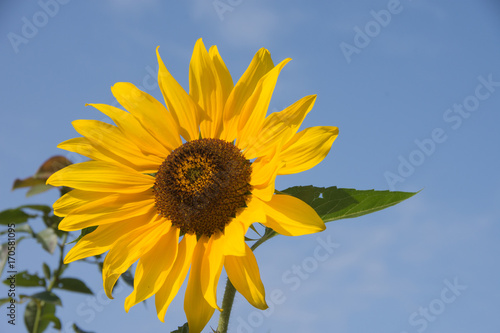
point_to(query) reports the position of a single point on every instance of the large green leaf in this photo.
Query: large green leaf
(25, 279)
(73, 284)
(332, 203)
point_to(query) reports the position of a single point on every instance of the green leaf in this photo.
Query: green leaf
(50, 318)
(28, 182)
(48, 239)
(47, 311)
(47, 296)
(46, 271)
(73, 284)
(79, 330)
(53, 164)
(14, 215)
(334, 203)
(30, 315)
(37, 189)
(41, 208)
(38, 180)
(182, 329)
(85, 231)
(25, 279)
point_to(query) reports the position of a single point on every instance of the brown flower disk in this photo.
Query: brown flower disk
(201, 185)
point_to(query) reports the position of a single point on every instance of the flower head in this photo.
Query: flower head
(176, 188)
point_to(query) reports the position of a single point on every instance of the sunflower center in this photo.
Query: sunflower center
(201, 185)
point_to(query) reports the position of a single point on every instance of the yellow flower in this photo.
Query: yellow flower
(177, 187)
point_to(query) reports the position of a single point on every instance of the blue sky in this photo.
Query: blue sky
(414, 87)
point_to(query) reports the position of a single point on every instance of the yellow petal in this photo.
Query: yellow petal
(104, 237)
(234, 238)
(93, 204)
(264, 172)
(260, 65)
(101, 177)
(252, 213)
(176, 277)
(243, 272)
(198, 310)
(223, 74)
(133, 130)
(291, 216)
(307, 148)
(74, 199)
(149, 112)
(110, 141)
(211, 268)
(279, 127)
(128, 249)
(153, 268)
(205, 89)
(185, 111)
(84, 147)
(115, 209)
(255, 109)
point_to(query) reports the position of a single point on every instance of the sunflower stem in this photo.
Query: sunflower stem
(230, 291)
(227, 304)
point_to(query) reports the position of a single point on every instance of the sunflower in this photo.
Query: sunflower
(176, 188)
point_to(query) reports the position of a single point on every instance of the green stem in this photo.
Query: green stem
(229, 293)
(227, 304)
(52, 283)
(57, 273)
(38, 315)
